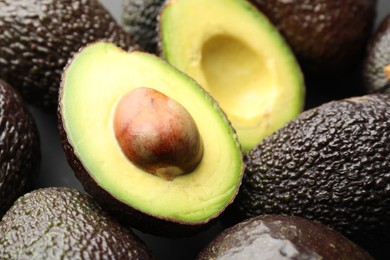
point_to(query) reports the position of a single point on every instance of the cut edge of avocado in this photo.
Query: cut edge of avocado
(240, 58)
(85, 116)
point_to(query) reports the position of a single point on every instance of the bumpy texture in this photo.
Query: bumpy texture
(20, 153)
(326, 35)
(332, 164)
(38, 37)
(140, 20)
(281, 237)
(63, 223)
(377, 57)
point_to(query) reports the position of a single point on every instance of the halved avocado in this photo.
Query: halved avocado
(96, 84)
(235, 53)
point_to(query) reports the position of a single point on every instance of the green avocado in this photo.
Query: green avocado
(38, 37)
(139, 19)
(63, 223)
(376, 69)
(329, 37)
(281, 237)
(146, 141)
(331, 164)
(234, 52)
(20, 156)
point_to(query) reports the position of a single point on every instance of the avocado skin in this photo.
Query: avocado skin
(377, 57)
(330, 164)
(63, 223)
(281, 237)
(139, 20)
(20, 153)
(38, 37)
(329, 37)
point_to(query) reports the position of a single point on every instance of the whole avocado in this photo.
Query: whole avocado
(63, 223)
(329, 37)
(38, 37)
(281, 237)
(20, 153)
(331, 164)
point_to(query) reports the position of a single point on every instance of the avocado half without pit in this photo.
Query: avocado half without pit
(146, 141)
(233, 51)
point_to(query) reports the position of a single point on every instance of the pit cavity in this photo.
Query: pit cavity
(239, 78)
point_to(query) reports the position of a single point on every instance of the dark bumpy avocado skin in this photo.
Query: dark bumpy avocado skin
(20, 153)
(377, 57)
(327, 36)
(62, 223)
(139, 19)
(38, 37)
(332, 164)
(281, 237)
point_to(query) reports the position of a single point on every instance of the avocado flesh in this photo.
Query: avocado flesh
(281, 237)
(330, 164)
(96, 79)
(63, 223)
(239, 58)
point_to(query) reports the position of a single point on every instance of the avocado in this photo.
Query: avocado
(38, 37)
(375, 67)
(330, 164)
(139, 19)
(20, 155)
(239, 57)
(148, 143)
(328, 37)
(281, 237)
(63, 223)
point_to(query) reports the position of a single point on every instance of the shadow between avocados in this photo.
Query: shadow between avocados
(171, 199)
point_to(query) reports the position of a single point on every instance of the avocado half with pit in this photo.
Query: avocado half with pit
(233, 51)
(146, 141)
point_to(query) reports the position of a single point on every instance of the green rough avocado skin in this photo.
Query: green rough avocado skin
(377, 57)
(327, 36)
(331, 163)
(139, 20)
(38, 37)
(281, 237)
(63, 223)
(20, 154)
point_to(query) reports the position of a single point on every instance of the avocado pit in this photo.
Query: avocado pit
(157, 134)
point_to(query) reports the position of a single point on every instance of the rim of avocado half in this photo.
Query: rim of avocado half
(233, 51)
(93, 85)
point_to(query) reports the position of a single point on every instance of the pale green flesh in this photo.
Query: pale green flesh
(93, 84)
(239, 57)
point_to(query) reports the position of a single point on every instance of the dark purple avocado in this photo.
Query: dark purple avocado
(20, 153)
(37, 38)
(281, 237)
(63, 223)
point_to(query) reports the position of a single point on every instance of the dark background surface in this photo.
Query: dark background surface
(56, 172)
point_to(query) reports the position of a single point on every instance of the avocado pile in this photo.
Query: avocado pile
(189, 122)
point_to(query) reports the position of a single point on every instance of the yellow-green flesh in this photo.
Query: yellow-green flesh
(98, 77)
(237, 55)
